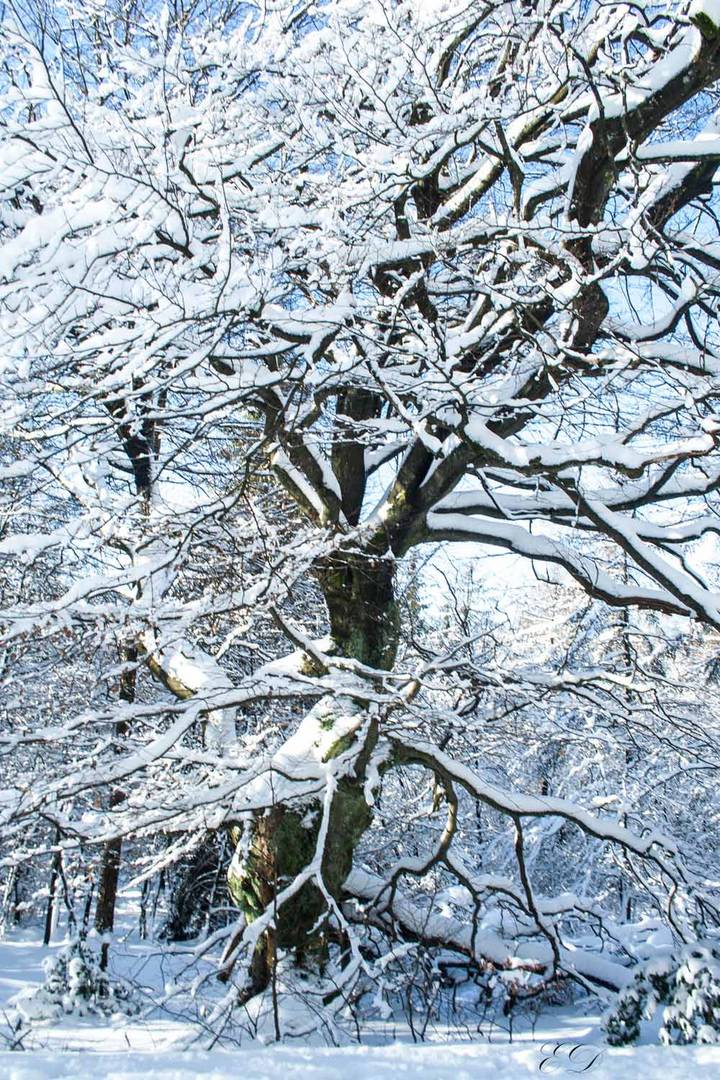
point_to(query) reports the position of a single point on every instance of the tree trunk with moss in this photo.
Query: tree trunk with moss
(360, 596)
(283, 840)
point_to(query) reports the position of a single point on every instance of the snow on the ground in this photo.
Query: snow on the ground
(469, 1061)
(147, 1047)
(21, 960)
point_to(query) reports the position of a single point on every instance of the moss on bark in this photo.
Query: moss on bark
(283, 841)
(363, 613)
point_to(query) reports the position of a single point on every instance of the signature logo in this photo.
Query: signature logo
(569, 1057)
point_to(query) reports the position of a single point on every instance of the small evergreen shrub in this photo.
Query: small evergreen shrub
(687, 988)
(74, 983)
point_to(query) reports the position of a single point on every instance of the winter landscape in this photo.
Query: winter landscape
(359, 515)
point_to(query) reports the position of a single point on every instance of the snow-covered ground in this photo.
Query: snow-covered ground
(148, 1046)
(474, 1061)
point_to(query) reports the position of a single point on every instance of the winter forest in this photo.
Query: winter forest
(359, 515)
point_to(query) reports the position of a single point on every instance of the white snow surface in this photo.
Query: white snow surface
(129, 1047)
(468, 1061)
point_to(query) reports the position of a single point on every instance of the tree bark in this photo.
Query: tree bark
(51, 910)
(360, 596)
(283, 841)
(142, 447)
(112, 850)
(108, 886)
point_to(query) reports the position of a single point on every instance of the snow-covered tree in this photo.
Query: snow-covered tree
(289, 292)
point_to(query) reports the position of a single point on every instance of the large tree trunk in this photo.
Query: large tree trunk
(360, 596)
(283, 841)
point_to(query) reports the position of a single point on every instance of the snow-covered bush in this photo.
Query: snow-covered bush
(686, 985)
(75, 983)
